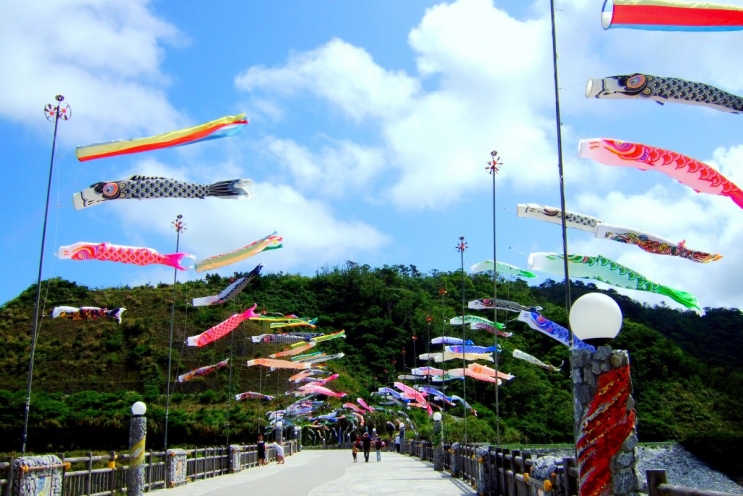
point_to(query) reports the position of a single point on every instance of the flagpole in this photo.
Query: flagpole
(460, 248)
(558, 121)
(493, 170)
(179, 227)
(56, 113)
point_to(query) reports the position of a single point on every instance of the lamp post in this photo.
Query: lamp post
(604, 415)
(415, 353)
(403, 351)
(137, 438)
(279, 432)
(438, 443)
(429, 319)
(394, 369)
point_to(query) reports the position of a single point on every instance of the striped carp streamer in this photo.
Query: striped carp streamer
(230, 291)
(294, 351)
(282, 338)
(646, 241)
(108, 252)
(538, 322)
(251, 395)
(270, 242)
(449, 340)
(663, 90)
(219, 128)
(690, 172)
(535, 361)
(278, 364)
(149, 188)
(474, 319)
(471, 349)
(87, 313)
(222, 329)
(554, 216)
(608, 271)
(671, 15)
(489, 304)
(501, 268)
(202, 371)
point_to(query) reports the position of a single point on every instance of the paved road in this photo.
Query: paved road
(332, 472)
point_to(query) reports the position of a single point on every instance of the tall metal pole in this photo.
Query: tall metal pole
(560, 168)
(442, 292)
(492, 169)
(460, 248)
(429, 319)
(179, 227)
(52, 112)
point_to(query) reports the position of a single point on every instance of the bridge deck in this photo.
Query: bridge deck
(332, 472)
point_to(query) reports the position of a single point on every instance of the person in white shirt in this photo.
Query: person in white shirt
(279, 452)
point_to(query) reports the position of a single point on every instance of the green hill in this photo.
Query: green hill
(687, 370)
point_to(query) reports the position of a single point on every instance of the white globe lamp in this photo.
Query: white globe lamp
(139, 409)
(595, 318)
(437, 417)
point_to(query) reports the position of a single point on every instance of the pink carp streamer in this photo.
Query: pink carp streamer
(361, 402)
(278, 364)
(411, 393)
(353, 407)
(250, 395)
(202, 371)
(221, 330)
(85, 250)
(315, 389)
(697, 175)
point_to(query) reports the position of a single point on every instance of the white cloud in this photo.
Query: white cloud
(104, 57)
(337, 170)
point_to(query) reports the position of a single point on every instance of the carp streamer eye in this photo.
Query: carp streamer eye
(635, 81)
(110, 190)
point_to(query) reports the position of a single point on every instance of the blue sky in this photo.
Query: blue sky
(371, 125)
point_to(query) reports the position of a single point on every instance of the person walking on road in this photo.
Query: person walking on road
(366, 442)
(378, 447)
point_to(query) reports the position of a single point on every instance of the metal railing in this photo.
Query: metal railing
(104, 475)
(503, 472)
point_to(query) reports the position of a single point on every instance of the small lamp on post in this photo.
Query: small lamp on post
(604, 415)
(438, 443)
(137, 439)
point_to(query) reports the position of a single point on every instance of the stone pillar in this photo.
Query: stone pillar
(454, 460)
(37, 476)
(483, 465)
(176, 468)
(235, 454)
(438, 444)
(605, 422)
(137, 438)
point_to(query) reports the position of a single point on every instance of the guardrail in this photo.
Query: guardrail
(106, 475)
(502, 472)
